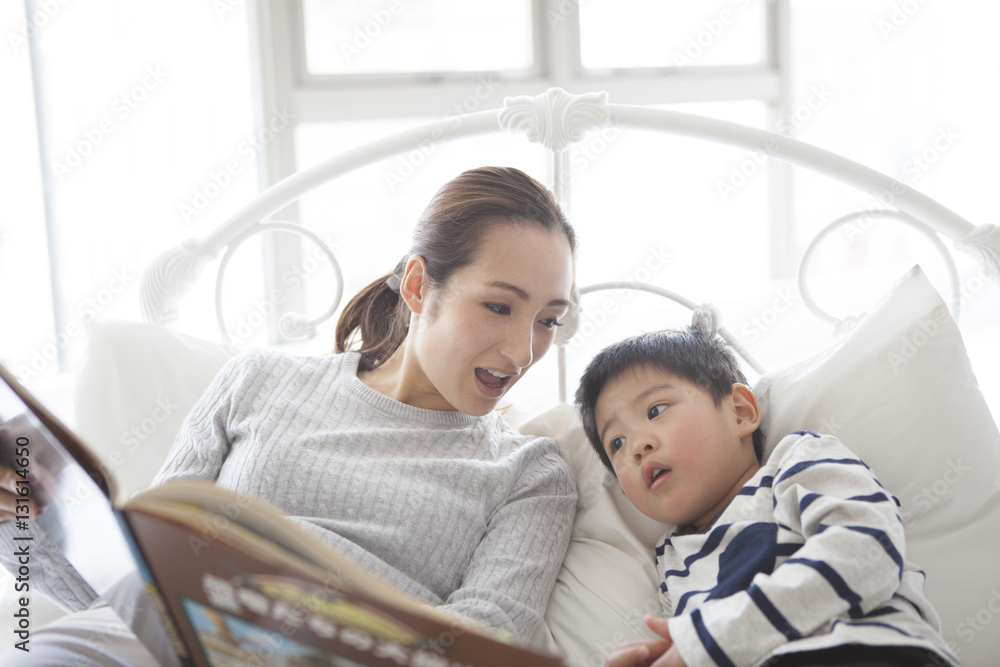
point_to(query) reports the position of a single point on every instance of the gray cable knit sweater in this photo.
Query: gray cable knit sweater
(460, 511)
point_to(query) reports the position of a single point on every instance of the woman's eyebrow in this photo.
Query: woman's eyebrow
(524, 295)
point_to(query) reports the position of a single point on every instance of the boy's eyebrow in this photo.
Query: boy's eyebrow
(653, 389)
(521, 294)
(640, 396)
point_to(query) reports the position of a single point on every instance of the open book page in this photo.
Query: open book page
(234, 592)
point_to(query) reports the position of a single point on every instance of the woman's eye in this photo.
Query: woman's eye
(551, 322)
(616, 444)
(498, 308)
(657, 410)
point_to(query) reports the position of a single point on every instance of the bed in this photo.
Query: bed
(897, 386)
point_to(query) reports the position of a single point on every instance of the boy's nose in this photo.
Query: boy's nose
(643, 448)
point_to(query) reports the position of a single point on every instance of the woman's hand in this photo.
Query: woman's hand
(12, 504)
(650, 652)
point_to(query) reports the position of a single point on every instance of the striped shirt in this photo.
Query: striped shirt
(810, 554)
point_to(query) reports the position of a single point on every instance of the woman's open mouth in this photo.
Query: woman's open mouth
(492, 383)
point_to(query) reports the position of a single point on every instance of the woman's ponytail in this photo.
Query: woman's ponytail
(380, 319)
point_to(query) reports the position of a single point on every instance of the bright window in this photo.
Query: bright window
(617, 34)
(391, 36)
(139, 140)
(144, 140)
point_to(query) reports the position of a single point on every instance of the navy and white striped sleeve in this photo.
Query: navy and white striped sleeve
(850, 563)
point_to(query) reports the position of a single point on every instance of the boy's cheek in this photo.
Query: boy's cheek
(630, 487)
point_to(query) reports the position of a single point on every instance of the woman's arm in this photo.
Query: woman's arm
(202, 443)
(514, 568)
(850, 564)
(48, 570)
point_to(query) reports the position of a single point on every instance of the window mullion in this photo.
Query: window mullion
(279, 65)
(53, 239)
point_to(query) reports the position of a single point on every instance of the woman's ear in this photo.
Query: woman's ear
(413, 285)
(747, 410)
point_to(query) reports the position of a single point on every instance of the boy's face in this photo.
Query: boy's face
(679, 457)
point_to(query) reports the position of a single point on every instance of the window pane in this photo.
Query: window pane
(648, 208)
(25, 288)
(351, 37)
(149, 141)
(907, 99)
(676, 34)
(913, 97)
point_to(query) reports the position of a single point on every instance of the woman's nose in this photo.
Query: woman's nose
(518, 347)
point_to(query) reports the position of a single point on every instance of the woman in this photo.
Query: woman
(393, 452)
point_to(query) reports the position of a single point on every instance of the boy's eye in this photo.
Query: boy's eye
(657, 410)
(616, 444)
(498, 308)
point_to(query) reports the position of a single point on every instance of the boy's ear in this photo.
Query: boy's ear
(413, 285)
(747, 410)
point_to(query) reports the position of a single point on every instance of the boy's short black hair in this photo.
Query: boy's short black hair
(700, 357)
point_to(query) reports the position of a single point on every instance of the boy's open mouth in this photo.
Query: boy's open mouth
(656, 475)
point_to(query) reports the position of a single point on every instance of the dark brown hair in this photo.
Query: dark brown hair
(701, 357)
(448, 237)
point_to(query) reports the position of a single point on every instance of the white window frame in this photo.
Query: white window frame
(286, 84)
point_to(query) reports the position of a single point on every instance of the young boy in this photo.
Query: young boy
(796, 561)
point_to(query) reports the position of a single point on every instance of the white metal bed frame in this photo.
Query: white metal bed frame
(557, 119)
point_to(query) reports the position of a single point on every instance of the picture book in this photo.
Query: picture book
(235, 580)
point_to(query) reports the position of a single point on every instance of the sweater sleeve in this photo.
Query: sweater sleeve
(50, 572)
(202, 443)
(35, 551)
(850, 563)
(513, 570)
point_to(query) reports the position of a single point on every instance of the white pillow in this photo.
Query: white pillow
(608, 580)
(899, 390)
(136, 386)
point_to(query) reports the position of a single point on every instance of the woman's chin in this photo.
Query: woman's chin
(480, 406)
(477, 404)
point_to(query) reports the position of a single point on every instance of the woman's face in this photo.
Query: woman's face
(473, 338)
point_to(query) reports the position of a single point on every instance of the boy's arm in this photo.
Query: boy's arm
(850, 564)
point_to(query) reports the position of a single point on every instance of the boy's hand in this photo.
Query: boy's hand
(638, 654)
(651, 652)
